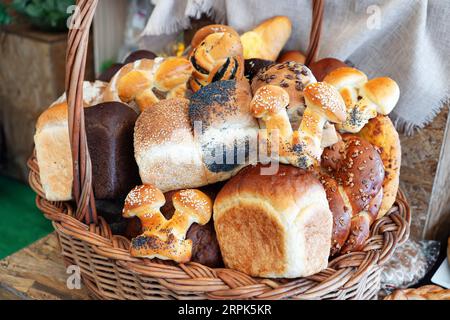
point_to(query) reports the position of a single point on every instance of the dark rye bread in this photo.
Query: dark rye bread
(109, 131)
(224, 127)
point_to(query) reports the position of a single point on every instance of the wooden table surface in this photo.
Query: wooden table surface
(37, 272)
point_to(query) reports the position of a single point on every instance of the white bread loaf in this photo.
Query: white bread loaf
(53, 147)
(276, 226)
(172, 155)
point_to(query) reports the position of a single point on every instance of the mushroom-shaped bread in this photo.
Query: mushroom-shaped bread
(144, 202)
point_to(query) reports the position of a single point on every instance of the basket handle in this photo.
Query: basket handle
(75, 67)
(316, 31)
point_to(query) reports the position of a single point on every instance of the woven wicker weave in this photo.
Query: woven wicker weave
(107, 268)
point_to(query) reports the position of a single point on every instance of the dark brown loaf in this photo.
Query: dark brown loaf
(109, 131)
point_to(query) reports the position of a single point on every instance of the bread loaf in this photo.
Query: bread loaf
(186, 144)
(276, 226)
(267, 39)
(53, 147)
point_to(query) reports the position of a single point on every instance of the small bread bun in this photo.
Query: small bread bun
(268, 39)
(292, 55)
(323, 67)
(202, 33)
(383, 92)
(275, 226)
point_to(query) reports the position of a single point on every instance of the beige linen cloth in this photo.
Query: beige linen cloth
(407, 40)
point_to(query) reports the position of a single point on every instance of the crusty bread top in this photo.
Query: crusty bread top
(346, 76)
(58, 110)
(157, 124)
(282, 190)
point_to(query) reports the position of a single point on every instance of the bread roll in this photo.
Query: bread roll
(292, 77)
(53, 147)
(267, 39)
(181, 144)
(276, 226)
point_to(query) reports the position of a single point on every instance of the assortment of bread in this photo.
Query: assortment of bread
(232, 110)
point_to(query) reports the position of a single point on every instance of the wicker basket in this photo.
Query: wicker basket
(107, 268)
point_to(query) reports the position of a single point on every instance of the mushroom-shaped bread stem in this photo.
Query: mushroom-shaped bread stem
(323, 103)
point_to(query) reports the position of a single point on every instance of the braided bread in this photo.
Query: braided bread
(162, 238)
(352, 174)
(144, 82)
(303, 147)
(364, 98)
(217, 57)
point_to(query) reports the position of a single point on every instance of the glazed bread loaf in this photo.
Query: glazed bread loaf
(53, 147)
(181, 144)
(276, 226)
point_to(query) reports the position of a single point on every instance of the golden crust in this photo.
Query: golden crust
(384, 92)
(346, 76)
(269, 99)
(202, 33)
(326, 99)
(381, 133)
(267, 39)
(143, 195)
(273, 225)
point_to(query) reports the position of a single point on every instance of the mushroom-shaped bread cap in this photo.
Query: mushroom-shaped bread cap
(143, 199)
(383, 92)
(347, 80)
(194, 203)
(346, 76)
(325, 99)
(269, 100)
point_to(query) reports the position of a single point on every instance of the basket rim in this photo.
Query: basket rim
(344, 274)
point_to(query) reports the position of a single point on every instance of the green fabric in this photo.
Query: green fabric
(21, 223)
